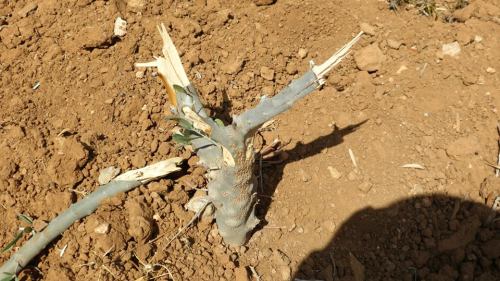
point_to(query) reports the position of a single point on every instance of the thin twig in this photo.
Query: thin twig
(353, 159)
(261, 180)
(497, 173)
(254, 273)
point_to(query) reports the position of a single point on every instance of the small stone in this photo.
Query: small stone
(365, 186)
(164, 149)
(291, 69)
(394, 44)
(267, 73)
(264, 2)
(451, 49)
(302, 53)
(120, 28)
(109, 101)
(370, 58)
(268, 90)
(334, 173)
(153, 147)
(478, 39)
(140, 74)
(107, 174)
(138, 160)
(103, 228)
(401, 69)
(491, 70)
(367, 28)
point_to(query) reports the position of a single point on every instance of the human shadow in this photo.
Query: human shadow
(272, 176)
(430, 237)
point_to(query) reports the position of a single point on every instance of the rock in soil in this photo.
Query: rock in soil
(369, 58)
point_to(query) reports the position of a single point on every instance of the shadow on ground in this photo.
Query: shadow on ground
(435, 238)
(274, 174)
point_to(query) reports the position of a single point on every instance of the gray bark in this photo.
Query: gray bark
(81, 209)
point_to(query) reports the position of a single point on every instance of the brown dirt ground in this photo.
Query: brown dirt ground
(323, 218)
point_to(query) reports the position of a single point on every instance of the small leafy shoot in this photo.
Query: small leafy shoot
(25, 218)
(183, 139)
(180, 90)
(18, 236)
(219, 122)
(183, 122)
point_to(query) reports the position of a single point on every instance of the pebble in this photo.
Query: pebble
(138, 161)
(107, 174)
(478, 39)
(401, 69)
(367, 28)
(267, 73)
(334, 173)
(302, 53)
(120, 28)
(451, 49)
(164, 149)
(153, 146)
(103, 228)
(369, 58)
(140, 74)
(491, 70)
(291, 69)
(394, 44)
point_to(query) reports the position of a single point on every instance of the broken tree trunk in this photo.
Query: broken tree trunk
(227, 151)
